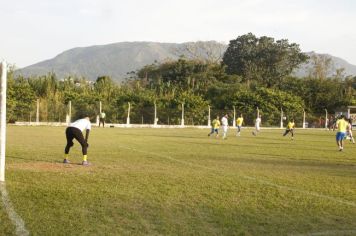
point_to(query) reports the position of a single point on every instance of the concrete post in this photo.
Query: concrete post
(281, 118)
(182, 121)
(128, 114)
(209, 119)
(234, 119)
(155, 118)
(3, 120)
(38, 112)
(69, 111)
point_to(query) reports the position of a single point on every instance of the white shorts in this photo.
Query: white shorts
(257, 127)
(224, 129)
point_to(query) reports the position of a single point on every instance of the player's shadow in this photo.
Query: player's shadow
(29, 159)
(42, 160)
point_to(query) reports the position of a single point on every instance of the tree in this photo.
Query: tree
(182, 75)
(321, 67)
(262, 59)
(208, 52)
(330, 94)
(23, 97)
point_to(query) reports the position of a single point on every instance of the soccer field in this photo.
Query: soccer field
(179, 182)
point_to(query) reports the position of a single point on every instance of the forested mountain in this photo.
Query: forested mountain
(118, 59)
(251, 73)
(335, 64)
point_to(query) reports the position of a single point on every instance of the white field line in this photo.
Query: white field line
(264, 182)
(14, 217)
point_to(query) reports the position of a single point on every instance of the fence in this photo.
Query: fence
(47, 111)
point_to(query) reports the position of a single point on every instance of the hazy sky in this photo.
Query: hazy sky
(36, 30)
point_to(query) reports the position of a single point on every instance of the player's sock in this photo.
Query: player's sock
(85, 158)
(66, 156)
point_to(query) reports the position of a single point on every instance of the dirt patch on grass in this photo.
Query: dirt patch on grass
(47, 166)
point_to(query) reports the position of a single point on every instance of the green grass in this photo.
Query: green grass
(180, 182)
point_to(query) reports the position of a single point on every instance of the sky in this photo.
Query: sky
(37, 30)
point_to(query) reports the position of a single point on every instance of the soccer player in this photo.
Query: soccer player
(290, 128)
(341, 125)
(349, 131)
(239, 122)
(74, 131)
(257, 125)
(225, 125)
(102, 118)
(215, 125)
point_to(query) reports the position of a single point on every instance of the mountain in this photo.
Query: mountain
(118, 59)
(336, 63)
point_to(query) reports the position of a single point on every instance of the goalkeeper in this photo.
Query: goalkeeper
(74, 131)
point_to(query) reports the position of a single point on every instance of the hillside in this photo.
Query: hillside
(336, 63)
(118, 59)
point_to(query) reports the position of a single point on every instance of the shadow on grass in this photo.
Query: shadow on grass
(47, 161)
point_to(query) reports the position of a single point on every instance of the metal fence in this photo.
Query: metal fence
(131, 114)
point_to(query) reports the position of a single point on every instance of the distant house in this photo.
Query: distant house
(349, 112)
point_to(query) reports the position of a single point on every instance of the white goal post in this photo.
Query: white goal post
(3, 71)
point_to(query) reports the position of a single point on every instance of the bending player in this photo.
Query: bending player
(74, 131)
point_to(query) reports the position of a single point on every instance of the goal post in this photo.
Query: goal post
(3, 71)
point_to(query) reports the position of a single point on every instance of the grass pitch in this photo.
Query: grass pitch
(180, 182)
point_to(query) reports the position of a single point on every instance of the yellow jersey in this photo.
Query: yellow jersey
(290, 125)
(216, 124)
(239, 121)
(341, 125)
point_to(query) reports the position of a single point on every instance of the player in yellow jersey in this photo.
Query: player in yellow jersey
(341, 126)
(239, 122)
(290, 128)
(215, 125)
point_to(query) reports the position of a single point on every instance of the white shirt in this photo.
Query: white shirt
(258, 121)
(81, 124)
(224, 121)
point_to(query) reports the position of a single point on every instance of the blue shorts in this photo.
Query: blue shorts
(340, 136)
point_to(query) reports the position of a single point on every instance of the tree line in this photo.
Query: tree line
(253, 73)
